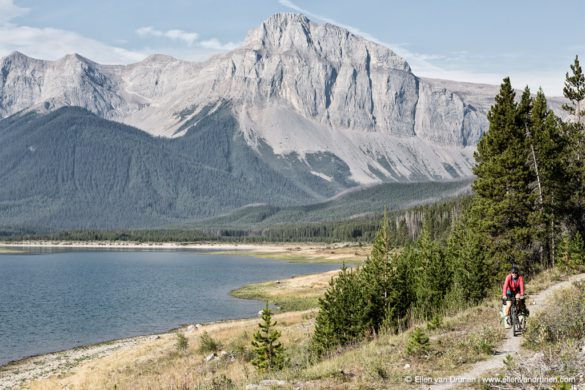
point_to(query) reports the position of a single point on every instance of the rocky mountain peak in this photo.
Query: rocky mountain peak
(75, 61)
(287, 33)
(158, 59)
(16, 58)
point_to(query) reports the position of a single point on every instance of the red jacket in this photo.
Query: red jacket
(513, 285)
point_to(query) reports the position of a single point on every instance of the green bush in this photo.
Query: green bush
(222, 382)
(418, 343)
(435, 323)
(208, 344)
(268, 350)
(182, 342)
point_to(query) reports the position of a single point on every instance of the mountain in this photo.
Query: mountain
(72, 169)
(299, 113)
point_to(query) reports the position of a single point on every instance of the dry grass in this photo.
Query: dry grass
(349, 253)
(545, 279)
(461, 341)
(156, 364)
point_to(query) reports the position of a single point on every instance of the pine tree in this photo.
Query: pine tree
(550, 151)
(383, 298)
(574, 91)
(268, 350)
(431, 275)
(341, 319)
(469, 264)
(505, 201)
(418, 343)
(577, 249)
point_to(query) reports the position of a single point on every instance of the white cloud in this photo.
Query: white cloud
(215, 44)
(51, 44)
(9, 11)
(422, 66)
(180, 35)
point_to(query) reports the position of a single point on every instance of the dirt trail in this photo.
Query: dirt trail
(511, 345)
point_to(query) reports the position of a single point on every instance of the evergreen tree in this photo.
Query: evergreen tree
(268, 350)
(577, 249)
(466, 256)
(341, 319)
(574, 91)
(418, 343)
(571, 252)
(431, 275)
(505, 201)
(384, 298)
(550, 150)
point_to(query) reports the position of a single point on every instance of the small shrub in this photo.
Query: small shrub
(381, 372)
(222, 382)
(182, 343)
(484, 341)
(509, 362)
(268, 350)
(239, 348)
(208, 344)
(435, 323)
(418, 343)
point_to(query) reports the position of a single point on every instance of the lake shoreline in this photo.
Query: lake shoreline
(16, 372)
(61, 363)
(348, 252)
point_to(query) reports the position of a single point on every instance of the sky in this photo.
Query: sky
(533, 42)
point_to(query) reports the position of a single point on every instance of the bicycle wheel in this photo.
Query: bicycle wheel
(514, 319)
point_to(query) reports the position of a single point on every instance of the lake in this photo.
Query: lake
(59, 300)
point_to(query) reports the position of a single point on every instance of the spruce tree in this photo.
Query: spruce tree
(431, 275)
(574, 91)
(378, 277)
(268, 350)
(469, 264)
(550, 151)
(341, 319)
(505, 201)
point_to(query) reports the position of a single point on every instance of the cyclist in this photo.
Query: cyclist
(513, 287)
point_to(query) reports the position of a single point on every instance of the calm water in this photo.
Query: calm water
(55, 301)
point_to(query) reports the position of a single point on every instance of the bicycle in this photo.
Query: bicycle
(518, 313)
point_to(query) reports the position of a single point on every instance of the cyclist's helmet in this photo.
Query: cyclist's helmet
(514, 270)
